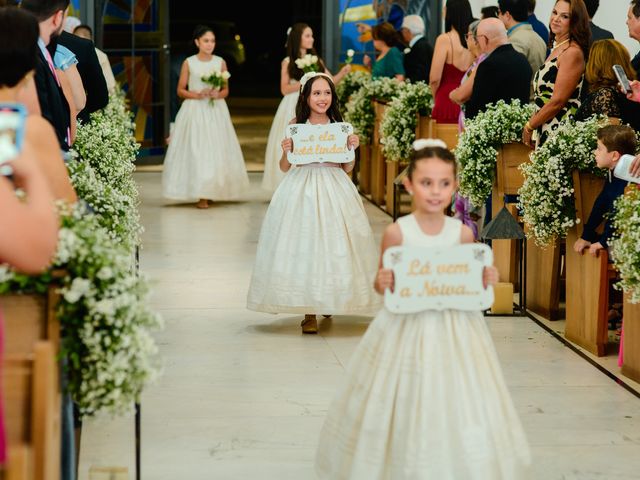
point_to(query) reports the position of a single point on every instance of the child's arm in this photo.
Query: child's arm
(384, 279)
(224, 91)
(182, 85)
(353, 142)
(489, 274)
(287, 146)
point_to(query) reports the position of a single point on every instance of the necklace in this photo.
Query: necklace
(560, 44)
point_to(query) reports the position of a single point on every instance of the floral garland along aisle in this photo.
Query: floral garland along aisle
(546, 196)
(350, 84)
(398, 128)
(103, 310)
(478, 145)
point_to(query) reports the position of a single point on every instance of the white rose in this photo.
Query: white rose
(314, 59)
(226, 75)
(299, 63)
(407, 50)
(351, 52)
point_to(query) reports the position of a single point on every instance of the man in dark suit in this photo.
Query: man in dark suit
(633, 22)
(418, 54)
(53, 104)
(597, 33)
(504, 75)
(90, 71)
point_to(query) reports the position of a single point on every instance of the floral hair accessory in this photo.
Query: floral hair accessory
(421, 143)
(309, 75)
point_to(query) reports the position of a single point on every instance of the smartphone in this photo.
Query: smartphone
(622, 169)
(622, 78)
(12, 118)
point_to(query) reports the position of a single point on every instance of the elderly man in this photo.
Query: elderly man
(504, 75)
(418, 54)
(514, 15)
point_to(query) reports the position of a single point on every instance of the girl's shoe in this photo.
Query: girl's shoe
(309, 324)
(203, 203)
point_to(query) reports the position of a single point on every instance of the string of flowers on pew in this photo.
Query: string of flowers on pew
(478, 145)
(350, 84)
(626, 243)
(398, 127)
(101, 170)
(104, 315)
(547, 194)
(360, 111)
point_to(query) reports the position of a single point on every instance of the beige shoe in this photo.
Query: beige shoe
(309, 324)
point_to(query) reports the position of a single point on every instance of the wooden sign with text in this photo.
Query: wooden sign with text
(320, 143)
(438, 278)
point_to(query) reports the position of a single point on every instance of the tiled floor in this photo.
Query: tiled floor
(244, 394)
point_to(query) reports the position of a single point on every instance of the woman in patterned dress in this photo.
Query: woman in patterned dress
(558, 84)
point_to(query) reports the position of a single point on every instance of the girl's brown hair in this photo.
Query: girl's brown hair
(432, 152)
(293, 45)
(303, 111)
(618, 138)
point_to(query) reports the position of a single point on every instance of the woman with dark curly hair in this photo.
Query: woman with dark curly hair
(558, 83)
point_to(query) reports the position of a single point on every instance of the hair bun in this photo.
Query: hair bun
(421, 143)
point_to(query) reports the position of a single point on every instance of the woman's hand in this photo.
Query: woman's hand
(490, 276)
(527, 136)
(214, 93)
(353, 142)
(595, 248)
(635, 91)
(204, 93)
(287, 145)
(384, 280)
(581, 245)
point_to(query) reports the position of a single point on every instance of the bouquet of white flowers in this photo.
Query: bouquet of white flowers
(216, 79)
(308, 63)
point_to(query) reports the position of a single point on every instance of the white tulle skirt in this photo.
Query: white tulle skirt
(316, 252)
(424, 398)
(204, 159)
(286, 111)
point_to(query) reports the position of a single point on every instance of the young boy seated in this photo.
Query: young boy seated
(613, 142)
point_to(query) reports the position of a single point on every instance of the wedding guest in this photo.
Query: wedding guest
(505, 73)
(451, 59)
(538, 27)
(84, 31)
(389, 62)
(52, 101)
(597, 33)
(633, 23)
(418, 54)
(514, 14)
(558, 83)
(489, 12)
(605, 97)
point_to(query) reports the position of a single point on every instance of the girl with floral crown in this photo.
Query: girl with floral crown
(204, 160)
(424, 396)
(316, 253)
(301, 58)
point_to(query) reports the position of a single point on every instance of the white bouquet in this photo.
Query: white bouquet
(308, 63)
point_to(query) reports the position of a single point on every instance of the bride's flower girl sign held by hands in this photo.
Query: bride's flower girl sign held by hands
(438, 278)
(320, 143)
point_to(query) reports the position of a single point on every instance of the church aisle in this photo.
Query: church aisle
(244, 394)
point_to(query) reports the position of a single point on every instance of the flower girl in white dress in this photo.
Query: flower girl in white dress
(424, 396)
(299, 43)
(316, 252)
(204, 160)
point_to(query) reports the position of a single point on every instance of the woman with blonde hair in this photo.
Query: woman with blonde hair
(604, 97)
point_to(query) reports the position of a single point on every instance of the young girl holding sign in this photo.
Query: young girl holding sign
(316, 253)
(424, 396)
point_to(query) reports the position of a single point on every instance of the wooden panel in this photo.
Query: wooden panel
(393, 169)
(425, 127)
(543, 275)
(17, 390)
(378, 175)
(587, 276)
(19, 463)
(505, 255)
(25, 322)
(631, 340)
(447, 132)
(364, 168)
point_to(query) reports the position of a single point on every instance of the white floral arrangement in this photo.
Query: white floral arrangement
(104, 315)
(349, 56)
(308, 63)
(547, 194)
(360, 111)
(478, 145)
(398, 127)
(216, 78)
(103, 160)
(350, 84)
(625, 246)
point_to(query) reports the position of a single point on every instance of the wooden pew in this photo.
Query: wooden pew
(587, 276)
(20, 463)
(378, 162)
(508, 180)
(631, 340)
(448, 133)
(32, 407)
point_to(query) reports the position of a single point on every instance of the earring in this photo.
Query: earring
(411, 192)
